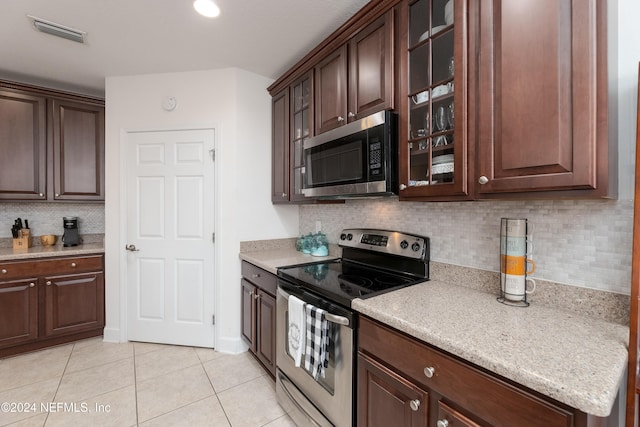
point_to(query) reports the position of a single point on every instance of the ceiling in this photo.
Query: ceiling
(131, 37)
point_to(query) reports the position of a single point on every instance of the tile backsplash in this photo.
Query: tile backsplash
(583, 243)
(46, 218)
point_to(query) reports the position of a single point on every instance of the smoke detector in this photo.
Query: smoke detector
(58, 30)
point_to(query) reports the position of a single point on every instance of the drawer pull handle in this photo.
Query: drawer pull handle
(4, 271)
(429, 371)
(74, 265)
(48, 282)
(414, 404)
(32, 285)
(442, 423)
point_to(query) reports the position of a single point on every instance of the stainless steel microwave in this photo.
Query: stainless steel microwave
(358, 159)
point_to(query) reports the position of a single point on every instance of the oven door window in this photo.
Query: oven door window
(328, 382)
(343, 161)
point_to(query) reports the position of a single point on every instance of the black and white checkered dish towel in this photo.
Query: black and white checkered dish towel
(316, 358)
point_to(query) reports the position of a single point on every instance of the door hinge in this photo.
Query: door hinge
(213, 237)
(213, 319)
(212, 153)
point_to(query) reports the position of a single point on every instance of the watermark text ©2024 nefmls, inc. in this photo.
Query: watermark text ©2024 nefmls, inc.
(50, 407)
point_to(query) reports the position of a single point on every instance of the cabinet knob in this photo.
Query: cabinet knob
(74, 265)
(429, 371)
(256, 296)
(255, 275)
(340, 119)
(32, 285)
(284, 195)
(442, 423)
(57, 195)
(250, 294)
(41, 195)
(351, 115)
(48, 282)
(403, 187)
(414, 404)
(4, 271)
(483, 180)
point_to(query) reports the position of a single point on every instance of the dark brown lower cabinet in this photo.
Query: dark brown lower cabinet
(405, 382)
(387, 399)
(74, 303)
(61, 300)
(18, 312)
(259, 314)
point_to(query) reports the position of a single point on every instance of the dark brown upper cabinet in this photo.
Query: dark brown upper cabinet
(356, 79)
(52, 144)
(280, 147)
(23, 142)
(542, 97)
(78, 150)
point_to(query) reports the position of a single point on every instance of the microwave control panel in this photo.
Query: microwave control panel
(375, 158)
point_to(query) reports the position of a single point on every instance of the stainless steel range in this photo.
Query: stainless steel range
(373, 262)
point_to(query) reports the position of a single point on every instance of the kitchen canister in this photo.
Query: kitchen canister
(516, 247)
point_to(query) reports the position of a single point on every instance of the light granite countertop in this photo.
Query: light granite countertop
(272, 259)
(8, 254)
(575, 359)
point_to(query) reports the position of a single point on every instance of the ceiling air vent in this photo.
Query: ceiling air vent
(58, 29)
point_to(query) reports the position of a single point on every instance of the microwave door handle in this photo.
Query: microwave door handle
(340, 320)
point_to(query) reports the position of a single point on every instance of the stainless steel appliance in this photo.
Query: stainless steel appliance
(354, 160)
(373, 262)
(70, 236)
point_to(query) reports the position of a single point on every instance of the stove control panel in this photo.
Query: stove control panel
(385, 241)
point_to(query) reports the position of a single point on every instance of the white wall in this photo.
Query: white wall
(237, 105)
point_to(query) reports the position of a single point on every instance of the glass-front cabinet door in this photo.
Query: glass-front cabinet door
(433, 158)
(301, 130)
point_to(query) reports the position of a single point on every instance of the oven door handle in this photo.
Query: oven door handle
(340, 320)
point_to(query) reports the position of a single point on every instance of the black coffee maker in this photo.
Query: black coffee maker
(70, 236)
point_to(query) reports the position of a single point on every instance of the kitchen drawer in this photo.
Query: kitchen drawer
(259, 277)
(17, 269)
(486, 396)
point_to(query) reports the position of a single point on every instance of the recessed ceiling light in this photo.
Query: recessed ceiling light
(206, 8)
(58, 30)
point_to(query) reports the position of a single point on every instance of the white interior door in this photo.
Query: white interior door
(170, 226)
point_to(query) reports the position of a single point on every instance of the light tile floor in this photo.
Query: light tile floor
(93, 383)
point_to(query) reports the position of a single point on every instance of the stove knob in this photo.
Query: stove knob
(415, 247)
(349, 236)
(404, 244)
(343, 236)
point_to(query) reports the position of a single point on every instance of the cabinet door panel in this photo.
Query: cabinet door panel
(371, 69)
(266, 325)
(385, 398)
(23, 141)
(249, 314)
(74, 303)
(280, 148)
(18, 312)
(331, 91)
(78, 151)
(537, 88)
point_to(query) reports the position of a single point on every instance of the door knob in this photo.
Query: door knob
(131, 248)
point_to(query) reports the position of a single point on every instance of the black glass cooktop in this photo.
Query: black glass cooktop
(341, 281)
